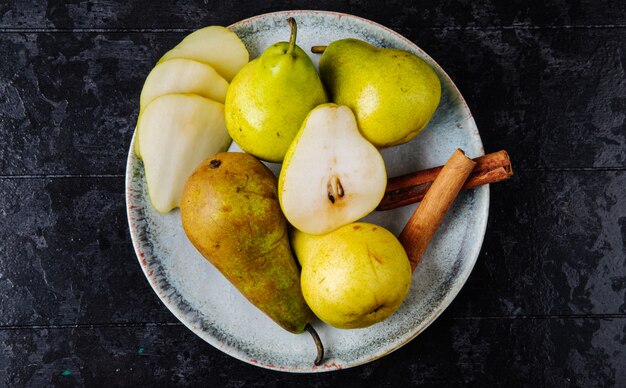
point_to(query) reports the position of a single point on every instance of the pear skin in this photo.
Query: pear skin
(393, 93)
(270, 97)
(231, 214)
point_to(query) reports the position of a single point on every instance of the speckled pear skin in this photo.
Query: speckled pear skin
(392, 92)
(269, 98)
(231, 214)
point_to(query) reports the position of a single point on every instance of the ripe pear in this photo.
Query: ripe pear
(231, 214)
(216, 46)
(331, 174)
(393, 93)
(353, 277)
(270, 97)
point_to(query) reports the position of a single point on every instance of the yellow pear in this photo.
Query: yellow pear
(353, 277)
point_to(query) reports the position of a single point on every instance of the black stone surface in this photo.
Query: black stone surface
(544, 306)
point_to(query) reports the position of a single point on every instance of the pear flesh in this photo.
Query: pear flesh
(183, 76)
(216, 46)
(231, 214)
(353, 277)
(393, 93)
(270, 97)
(176, 132)
(331, 175)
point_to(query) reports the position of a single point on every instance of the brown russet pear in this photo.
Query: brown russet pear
(231, 214)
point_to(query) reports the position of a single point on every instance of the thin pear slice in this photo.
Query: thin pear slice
(181, 75)
(214, 45)
(176, 133)
(331, 175)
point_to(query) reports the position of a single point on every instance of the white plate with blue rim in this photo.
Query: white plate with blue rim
(204, 301)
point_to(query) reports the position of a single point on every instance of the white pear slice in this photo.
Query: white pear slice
(176, 133)
(216, 46)
(183, 76)
(331, 175)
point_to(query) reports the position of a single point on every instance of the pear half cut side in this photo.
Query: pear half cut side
(331, 175)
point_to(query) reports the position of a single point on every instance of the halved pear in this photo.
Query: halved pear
(177, 132)
(181, 75)
(331, 175)
(214, 45)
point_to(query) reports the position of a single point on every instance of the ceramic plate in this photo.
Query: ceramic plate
(208, 305)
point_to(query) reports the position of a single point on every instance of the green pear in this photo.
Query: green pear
(393, 93)
(331, 174)
(269, 98)
(353, 277)
(231, 214)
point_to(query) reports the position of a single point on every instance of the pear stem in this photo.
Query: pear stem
(294, 33)
(318, 49)
(318, 344)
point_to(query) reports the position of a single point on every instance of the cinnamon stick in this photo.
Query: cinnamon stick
(411, 188)
(424, 222)
(318, 49)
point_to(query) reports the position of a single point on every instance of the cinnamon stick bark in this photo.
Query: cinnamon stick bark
(411, 188)
(421, 227)
(318, 49)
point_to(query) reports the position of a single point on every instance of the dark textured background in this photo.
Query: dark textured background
(544, 306)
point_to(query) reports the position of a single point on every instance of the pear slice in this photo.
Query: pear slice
(214, 45)
(176, 133)
(183, 76)
(331, 175)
